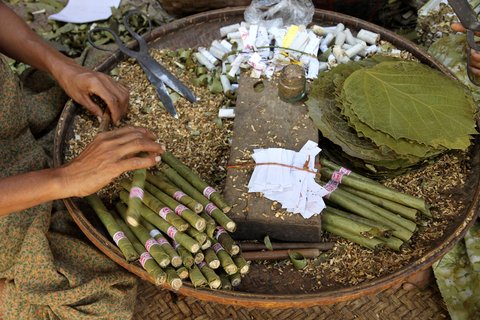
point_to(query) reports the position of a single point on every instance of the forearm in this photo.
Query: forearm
(30, 189)
(19, 42)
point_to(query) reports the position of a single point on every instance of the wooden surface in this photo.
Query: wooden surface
(262, 120)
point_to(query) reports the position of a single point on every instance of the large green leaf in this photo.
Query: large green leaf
(409, 100)
(403, 147)
(327, 117)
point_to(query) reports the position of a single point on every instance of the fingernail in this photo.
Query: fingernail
(158, 158)
(99, 119)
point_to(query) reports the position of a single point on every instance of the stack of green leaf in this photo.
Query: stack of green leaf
(389, 114)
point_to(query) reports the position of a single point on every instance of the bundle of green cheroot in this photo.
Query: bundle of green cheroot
(388, 114)
(366, 212)
(176, 225)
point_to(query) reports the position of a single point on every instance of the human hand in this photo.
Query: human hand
(110, 154)
(474, 55)
(81, 83)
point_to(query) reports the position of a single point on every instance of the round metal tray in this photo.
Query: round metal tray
(201, 29)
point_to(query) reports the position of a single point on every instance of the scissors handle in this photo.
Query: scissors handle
(142, 44)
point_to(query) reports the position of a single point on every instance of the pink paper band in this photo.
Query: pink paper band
(210, 207)
(119, 235)
(171, 231)
(150, 242)
(178, 195)
(207, 192)
(144, 257)
(136, 192)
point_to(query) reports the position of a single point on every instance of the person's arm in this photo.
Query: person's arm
(474, 55)
(19, 42)
(109, 155)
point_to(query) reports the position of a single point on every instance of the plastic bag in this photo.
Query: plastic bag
(278, 13)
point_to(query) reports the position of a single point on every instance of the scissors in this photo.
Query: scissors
(469, 20)
(158, 76)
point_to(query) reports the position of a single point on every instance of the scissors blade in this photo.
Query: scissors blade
(162, 91)
(466, 14)
(169, 79)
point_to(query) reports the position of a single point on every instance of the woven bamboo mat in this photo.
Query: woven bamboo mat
(154, 303)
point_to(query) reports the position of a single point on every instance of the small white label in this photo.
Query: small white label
(136, 192)
(164, 212)
(179, 209)
(207, 192)
(171, 232)
(154, 233)
(119, 235)
(144, 257)
(209, 208)
(220, 231)
(178, 195)
(217, 247)
(150, 243)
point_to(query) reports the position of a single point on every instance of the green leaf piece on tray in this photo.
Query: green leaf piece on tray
(409, 100)
(268, 243)
(298, 260)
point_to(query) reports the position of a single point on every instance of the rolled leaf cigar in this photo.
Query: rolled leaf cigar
(207, 244)
(211, 259)
(235, 279)
(174, 192)
(169, 230)
(373, 244)
(215, 213)
(385, 230)
(197, 235)
(280, 254)
(199, 257)
(213, 279)
(187, 257)
(113, 228)
(242, 264)
(182, 273)
(257, 246)
(209, 192)
(173, 279)
(211, 224)
(135, 197)
(191, 217)
(349, 225)
(150, 244)
(196, 277)
(382, 191)
(146, 260)
(175, 259)
(222, 236)
(159, 207)
(404, 211)
(395, 218)
(226, 260)
(341, 198)
(392, 243)
(226, 284)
